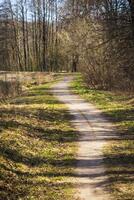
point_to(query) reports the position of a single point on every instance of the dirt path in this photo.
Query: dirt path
(94, 132)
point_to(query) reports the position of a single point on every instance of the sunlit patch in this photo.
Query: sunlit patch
(119, 152)
(37, 145)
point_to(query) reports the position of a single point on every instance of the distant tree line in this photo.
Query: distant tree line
(95, 37)
(28, 35)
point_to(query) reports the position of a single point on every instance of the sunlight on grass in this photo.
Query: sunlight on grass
(119, 153)
(37, 145)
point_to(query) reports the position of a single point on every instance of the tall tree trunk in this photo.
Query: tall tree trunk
(131, 4)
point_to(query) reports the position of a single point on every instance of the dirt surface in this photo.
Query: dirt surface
(94, 131)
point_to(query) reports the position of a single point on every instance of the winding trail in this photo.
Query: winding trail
(94, 130)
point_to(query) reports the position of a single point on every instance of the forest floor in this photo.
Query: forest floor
(117, 107)
(37, 147)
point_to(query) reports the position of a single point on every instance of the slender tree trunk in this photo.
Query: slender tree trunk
(131, 4)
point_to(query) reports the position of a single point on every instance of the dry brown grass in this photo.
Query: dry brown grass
(14, 83)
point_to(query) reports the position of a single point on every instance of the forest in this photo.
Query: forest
(66, 99)
(93, 37)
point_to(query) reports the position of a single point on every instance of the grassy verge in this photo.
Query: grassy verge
(36, 148)
(119, 153)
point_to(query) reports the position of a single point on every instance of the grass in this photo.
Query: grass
(37, 147)
(119, 153)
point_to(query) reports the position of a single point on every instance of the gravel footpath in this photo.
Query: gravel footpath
(94, 132)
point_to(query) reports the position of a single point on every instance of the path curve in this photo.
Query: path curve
(94, 131)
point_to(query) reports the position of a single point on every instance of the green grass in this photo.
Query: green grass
(37, 148)
(119, 153)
